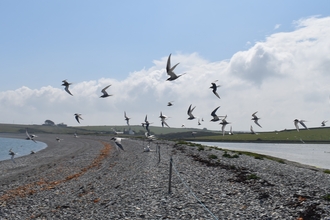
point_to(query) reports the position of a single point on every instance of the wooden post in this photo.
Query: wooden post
(158, 147)
(170, 177)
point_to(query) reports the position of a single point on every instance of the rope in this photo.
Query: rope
(192, 193)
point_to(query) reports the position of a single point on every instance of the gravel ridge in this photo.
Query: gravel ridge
(88, 178)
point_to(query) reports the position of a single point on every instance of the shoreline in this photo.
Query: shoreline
(87, 177)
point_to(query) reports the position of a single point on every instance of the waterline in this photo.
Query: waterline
(317, 155)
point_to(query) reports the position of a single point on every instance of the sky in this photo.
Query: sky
(267, 56)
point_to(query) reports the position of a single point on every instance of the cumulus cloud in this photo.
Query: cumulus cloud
(283, 77)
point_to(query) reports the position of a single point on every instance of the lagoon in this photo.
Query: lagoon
(317, 155)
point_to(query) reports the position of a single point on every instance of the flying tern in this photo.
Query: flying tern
(224, 123)
(213, 113)
(170, 70)
(170, 103)
(146, 124)
(105, 94)
(214, 88)
(30, 137)
(189, 112)
(66, 84)
(12, 153)
(323, 123)
(78, 116)
(255, 118)
(163, 118)
(117, 141)
(296, 121)
(126, 118)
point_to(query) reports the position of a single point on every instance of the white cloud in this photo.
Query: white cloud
(283, 78)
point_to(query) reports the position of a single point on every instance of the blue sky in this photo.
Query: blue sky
(94, 43)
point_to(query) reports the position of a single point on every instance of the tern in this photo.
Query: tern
(296, 121)
(170, 103)
(224, 123)
(163, 118)
(170, 70)
(214, 89)
(12, 155)
(255, 118)
(146, 123)
(105, 94)
(323, 123)
(215, 117)
(146, 149)
(231, 131)
(189, 112)
(30, 137)
(150, 137)
(252, 131)
(199, 123)
(117, 141)
(78, 116)
(59, 139)
(126, 118)
(66, 84)
(75, 134)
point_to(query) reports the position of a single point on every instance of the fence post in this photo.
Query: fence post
(170, 177)
(158, 148)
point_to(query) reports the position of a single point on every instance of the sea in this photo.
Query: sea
(317, 155)
(20, 146)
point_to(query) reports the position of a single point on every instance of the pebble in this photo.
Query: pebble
(132, 184)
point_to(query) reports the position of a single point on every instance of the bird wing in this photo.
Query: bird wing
(254, 114)
(214, 111)
(170, 69)
(67, 89)
(251, 129)
(119, 145)
(105, 88)
(303, 124)
(257, 123)
(215, 93)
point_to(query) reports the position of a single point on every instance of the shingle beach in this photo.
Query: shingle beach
(88, 178)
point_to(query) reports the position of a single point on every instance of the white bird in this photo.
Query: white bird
(126, 118)
(224, 123)
(199, 123)
(193, 133)
(66, 84)
(12, 155)
(78, 116)
(170, 70)
(296, 121)
(255, 118)
(32, 152)
(59, 139)
(231, 131)
(105, 94)
(117, 141)
(146, 149)
(252, 131)
(30, 137)
(323, 123)
(189, 112)
(214, 88)
(150, 137)
(75, 134)
(163, 118)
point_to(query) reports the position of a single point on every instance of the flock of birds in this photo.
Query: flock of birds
(172, 76)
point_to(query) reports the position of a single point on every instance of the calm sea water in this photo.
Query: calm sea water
(20, 146)
(317, 155)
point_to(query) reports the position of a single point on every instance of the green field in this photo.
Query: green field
(314, 135)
